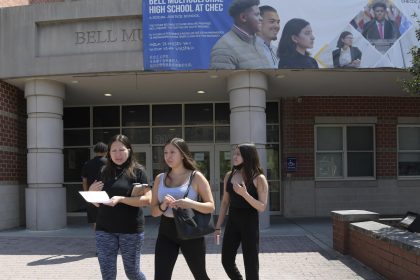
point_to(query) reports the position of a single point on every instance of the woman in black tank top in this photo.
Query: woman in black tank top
(245, 194)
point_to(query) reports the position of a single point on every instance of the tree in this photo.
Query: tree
(412, 86)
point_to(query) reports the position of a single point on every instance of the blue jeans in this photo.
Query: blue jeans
(107, 246)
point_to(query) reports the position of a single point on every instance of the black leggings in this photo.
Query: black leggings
(167, 250)
(242, 228)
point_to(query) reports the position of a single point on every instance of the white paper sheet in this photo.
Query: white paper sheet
(95, 197)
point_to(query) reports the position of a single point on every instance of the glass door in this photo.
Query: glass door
(213, 162)
(143, 155)
(204, 156)
(223, 165)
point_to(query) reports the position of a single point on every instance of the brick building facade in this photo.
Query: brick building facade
(13, 134)
(298, 120)
(371, 177)
(12, 154)
(355, 144)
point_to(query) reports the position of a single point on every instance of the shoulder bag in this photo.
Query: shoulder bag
(191, 224)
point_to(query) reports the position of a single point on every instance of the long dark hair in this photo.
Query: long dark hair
(250, 166)
(129, 166)
(188, 161)
(286, 45)
(343, 35)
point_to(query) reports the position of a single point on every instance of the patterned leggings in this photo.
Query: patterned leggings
(107, 246)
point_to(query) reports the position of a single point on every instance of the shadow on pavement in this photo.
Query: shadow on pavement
(59, 259)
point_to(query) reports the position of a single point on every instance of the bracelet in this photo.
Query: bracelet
(160, 208)
(217, 229)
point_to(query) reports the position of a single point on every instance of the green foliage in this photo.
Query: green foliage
(412, 86)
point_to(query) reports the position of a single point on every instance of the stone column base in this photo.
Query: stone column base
(45, 208)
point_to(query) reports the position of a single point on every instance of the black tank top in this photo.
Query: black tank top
(237, 201)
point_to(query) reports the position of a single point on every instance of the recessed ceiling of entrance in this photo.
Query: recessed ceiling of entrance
(170, 87)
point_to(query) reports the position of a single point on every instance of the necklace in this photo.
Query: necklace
(117, 176)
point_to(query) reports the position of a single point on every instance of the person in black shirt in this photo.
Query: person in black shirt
(245, 194)
(295, 40)
(90, 172)
(120, 222)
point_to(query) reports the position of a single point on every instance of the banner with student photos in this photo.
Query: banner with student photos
(179, 34)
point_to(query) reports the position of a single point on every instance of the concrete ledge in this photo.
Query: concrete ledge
(403, 239)
(354, 215)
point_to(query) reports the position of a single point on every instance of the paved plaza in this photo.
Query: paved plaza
(290, 249)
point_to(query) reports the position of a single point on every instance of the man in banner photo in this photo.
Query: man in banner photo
(380, 27)
(269, 29)
(237, 49)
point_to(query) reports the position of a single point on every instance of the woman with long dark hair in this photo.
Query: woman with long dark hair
(245, 195)
(295, 41)
(168, 192)
(120, 222)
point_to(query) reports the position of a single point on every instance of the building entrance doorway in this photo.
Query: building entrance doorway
(213, 161)
(143, 155)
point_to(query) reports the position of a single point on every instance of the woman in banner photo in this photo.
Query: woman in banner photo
(120, 222)
(295, 40)
(346, 55)
(168, 192)
(245, 195)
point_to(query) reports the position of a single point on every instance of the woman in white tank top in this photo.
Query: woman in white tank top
(168, 192)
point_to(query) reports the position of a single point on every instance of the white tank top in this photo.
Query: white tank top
(175, 192)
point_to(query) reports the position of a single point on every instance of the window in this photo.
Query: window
(409, 151)
(136, 115)
(137, 135)
(222, 113)
(104, 134)
(272, 111)
(272, 133)
(273, 176)
(167, 114)
(106, 116)
(160, 135)
(199, 114)
(344, 151)
(76, 117)
(272, 118)
(200, 134)
(222, 120)
(74, 158)
(76, 122)
(77, 137)
(222, 134)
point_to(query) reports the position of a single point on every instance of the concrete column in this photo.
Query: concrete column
(45, 195)
(247, 94)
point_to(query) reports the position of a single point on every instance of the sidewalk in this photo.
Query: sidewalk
(290, 249)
